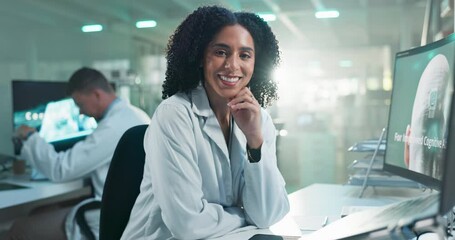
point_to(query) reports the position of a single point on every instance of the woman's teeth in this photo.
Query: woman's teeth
(229, 79)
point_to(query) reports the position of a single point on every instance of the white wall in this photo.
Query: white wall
(54, 56)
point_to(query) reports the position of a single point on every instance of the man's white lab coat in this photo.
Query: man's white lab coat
(88, 158)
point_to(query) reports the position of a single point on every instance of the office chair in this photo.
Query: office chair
(122, 183)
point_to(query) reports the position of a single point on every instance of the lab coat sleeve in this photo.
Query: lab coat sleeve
(78, 161)
(264, 195)
(172, 158)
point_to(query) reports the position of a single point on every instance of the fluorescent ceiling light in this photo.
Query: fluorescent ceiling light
(327, 14)
(268, 17)
(146, 24)
(345, 63)
(92, 28)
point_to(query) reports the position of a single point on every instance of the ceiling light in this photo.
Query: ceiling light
(92, 28)
(327, 14)
(345, 63)
(268, 17)
(146, 24)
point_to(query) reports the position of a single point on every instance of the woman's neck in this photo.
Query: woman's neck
(221, 110)
(223, 116)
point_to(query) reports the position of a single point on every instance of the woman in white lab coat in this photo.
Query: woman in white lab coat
(89, 158)
(210, 149)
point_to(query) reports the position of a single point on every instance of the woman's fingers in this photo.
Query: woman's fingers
(244, 96)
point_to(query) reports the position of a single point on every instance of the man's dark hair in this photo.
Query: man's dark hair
(86, 79)
(186, 47)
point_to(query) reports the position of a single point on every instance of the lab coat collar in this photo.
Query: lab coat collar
(200, 102)
(201, 106)
(110, 108)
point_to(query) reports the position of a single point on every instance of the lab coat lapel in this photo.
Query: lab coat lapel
(210, 125)
(239, 139)
(213, 130)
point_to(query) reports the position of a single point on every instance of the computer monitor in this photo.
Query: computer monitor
(448, 181)
(45, 106)
(419, 114)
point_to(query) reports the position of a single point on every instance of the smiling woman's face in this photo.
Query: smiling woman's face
(228, 63)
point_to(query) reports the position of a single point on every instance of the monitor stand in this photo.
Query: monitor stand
(365, 180)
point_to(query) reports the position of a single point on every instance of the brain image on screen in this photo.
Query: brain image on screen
(426, 138)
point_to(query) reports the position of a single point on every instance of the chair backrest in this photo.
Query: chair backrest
(122, 183)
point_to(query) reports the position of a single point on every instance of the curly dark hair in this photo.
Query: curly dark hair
(186, 47)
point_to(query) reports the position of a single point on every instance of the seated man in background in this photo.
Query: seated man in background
(88, 158)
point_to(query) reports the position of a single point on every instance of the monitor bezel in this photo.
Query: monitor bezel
(448, 177)
(420, 178)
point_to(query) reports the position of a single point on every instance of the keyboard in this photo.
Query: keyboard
(380, 218)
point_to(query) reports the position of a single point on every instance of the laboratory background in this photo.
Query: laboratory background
(334, 79)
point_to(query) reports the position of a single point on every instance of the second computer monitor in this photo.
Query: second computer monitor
(420, 111)
(45, 106)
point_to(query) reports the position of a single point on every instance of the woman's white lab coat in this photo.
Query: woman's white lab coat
(197, 186)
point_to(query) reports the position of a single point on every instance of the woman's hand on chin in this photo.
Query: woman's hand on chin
(247, 114)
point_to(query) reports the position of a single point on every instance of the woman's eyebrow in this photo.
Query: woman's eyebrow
(223, 45)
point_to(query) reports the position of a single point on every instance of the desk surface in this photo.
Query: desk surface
(36, 190)
(310, 205)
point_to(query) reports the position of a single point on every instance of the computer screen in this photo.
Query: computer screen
(45, 106)
(419, 112)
